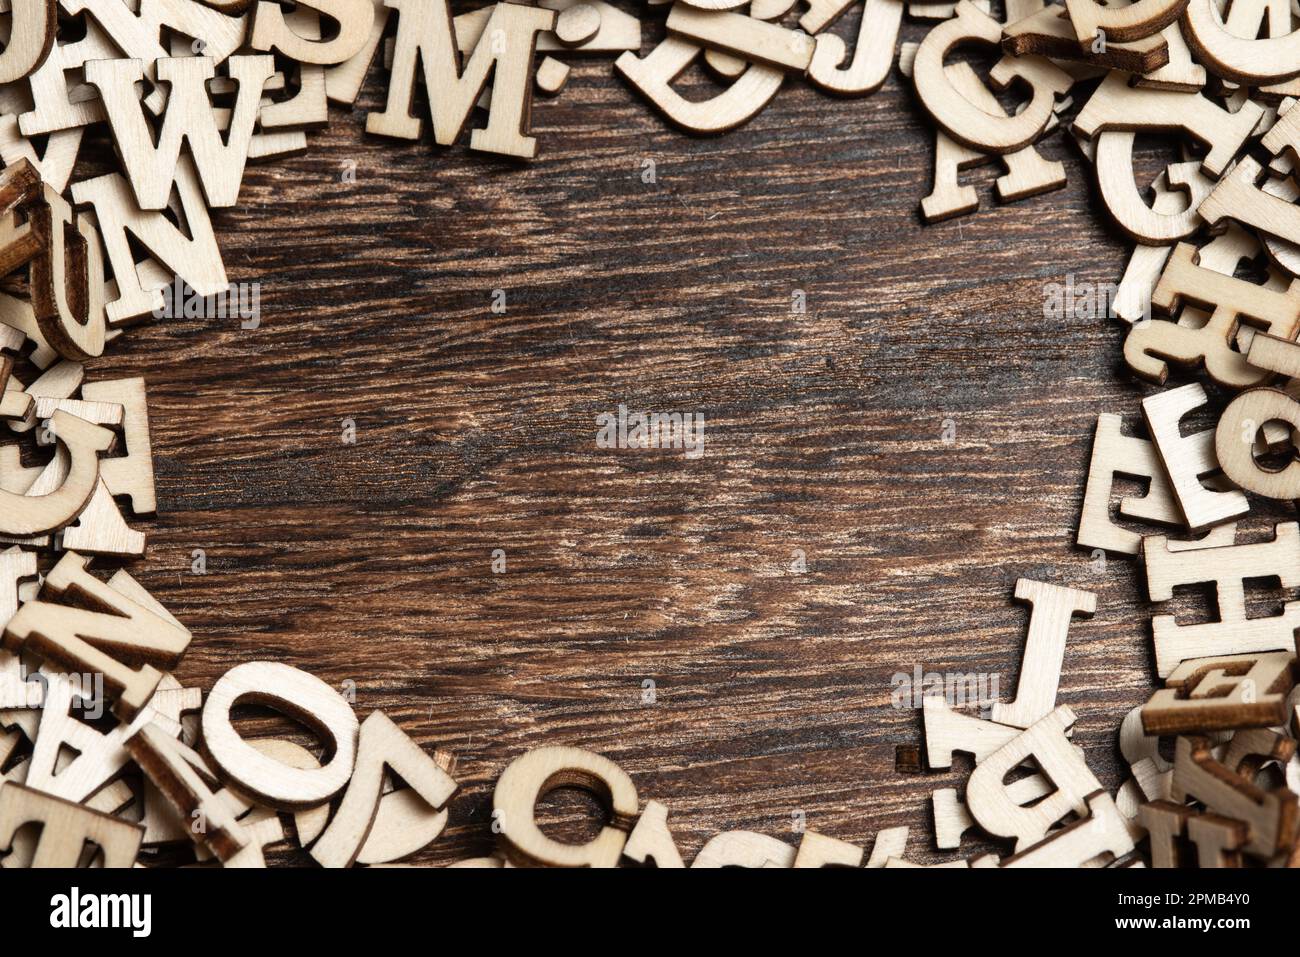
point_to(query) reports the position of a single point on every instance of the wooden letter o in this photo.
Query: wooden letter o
(298, 695)
(1234, 441)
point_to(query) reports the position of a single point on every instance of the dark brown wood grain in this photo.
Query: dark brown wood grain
(371, 562)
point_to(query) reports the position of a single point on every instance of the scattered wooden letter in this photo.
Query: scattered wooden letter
(541, 770)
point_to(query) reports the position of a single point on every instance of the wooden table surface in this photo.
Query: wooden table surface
(371, 562)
